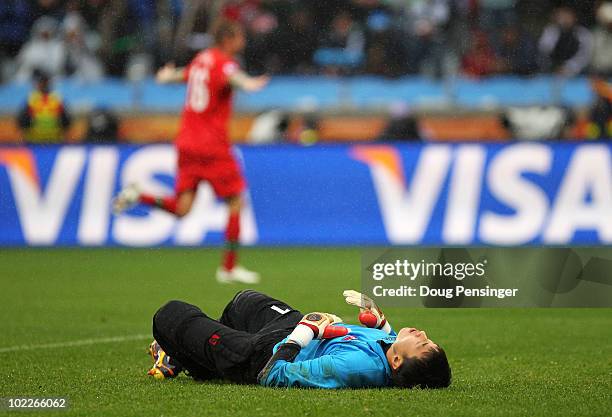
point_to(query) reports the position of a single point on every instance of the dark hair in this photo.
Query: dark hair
(223, 29)
(40, 76)
(430, 371)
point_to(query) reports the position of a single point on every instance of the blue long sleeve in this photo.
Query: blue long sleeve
(314, 373)
(354, 361)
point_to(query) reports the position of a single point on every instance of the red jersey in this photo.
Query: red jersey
(208, 104)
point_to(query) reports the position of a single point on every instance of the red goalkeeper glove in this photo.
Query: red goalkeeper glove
(317, 326)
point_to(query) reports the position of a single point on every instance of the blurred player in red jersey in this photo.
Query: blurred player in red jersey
(203, 145)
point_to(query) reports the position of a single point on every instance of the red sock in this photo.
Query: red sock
(232, 234)
(165, 203)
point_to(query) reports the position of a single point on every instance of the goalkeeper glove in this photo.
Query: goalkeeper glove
(317, 326)
(371, 315)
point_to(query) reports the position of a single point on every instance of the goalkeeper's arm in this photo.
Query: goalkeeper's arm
(286, 352)
(312, 326)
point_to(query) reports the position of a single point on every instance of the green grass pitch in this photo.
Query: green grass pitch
(531, 362)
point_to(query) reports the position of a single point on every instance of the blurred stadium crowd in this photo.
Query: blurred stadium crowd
(93, 38)
(93, 41)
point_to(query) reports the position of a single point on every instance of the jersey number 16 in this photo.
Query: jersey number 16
(198, 95)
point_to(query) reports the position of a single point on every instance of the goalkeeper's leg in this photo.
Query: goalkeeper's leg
(206, 347)
(254, 312)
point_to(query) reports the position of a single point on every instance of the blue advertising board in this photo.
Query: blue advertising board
(434, 194)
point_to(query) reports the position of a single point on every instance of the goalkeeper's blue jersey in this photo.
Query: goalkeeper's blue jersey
(356, 360)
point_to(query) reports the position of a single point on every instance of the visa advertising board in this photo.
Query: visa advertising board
(436, 194)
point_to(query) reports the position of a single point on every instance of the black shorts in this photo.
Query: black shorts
(235, 347)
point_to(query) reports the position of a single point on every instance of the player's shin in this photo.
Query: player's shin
(165, 203)
(232, 235)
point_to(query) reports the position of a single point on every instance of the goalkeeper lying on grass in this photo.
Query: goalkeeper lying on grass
(259, 339)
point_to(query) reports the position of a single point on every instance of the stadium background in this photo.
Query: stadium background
(499, 129)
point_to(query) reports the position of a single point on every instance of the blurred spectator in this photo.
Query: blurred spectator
(196, 18)
(565, 46)
(15, 21)
(517, 52)
(261, 25)
(193, 24)
(102, 126)
(309, 134)
(342, 48)
(538, 123)
(480, 59)
(49, 8)
(344, 33)
(602, 42)
(90, 10)
(44, 118)
(44, 51)
(385, 54)
(127, 28)
(79, 60)
(168, 14)
(143, 14)
(496, 15)
(303, 129)
(461, 24)
(325, 11)
(426, 24)
(584, 9)
(243, 11)
(403, 125)
(382, 37)
(601, 113)
(295, 42)
(269, 127)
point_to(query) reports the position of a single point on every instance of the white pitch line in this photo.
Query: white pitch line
(73, 343)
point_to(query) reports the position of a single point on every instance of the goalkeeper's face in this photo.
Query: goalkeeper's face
(409, 343)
